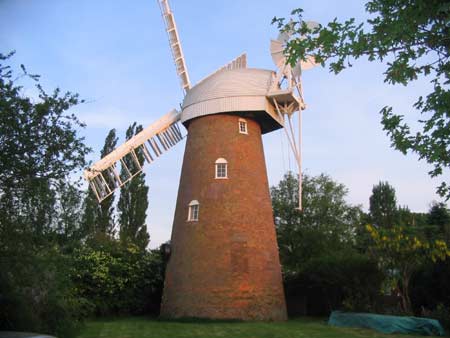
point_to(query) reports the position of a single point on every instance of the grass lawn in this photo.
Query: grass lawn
(141, 327)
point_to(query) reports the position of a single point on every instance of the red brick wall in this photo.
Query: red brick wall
(226, 264)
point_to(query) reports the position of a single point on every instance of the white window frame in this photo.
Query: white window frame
(220, 162)
(194, 211)
(243, 122)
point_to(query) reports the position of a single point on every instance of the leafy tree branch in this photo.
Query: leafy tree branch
(412, 38)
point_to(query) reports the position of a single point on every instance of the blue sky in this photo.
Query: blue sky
(116, 55)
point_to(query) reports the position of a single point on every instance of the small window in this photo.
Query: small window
(221, 168)
(193, 210)
(243, 126)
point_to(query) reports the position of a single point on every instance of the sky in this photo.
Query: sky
(115, 54)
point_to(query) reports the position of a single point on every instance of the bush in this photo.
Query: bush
(119, 279)
(37, 295)
(343, 281)
(429, 286)
(51, 292)
(429, 292)
(441, 313)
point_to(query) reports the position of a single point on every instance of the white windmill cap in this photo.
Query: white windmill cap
(236, 90)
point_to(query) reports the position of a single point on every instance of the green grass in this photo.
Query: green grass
(140, 327)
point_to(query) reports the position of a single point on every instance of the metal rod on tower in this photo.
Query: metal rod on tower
(300, 178)
(298, 85)
(297, 150)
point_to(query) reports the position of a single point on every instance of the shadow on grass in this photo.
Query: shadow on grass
(197, 320)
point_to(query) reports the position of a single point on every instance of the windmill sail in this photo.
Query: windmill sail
(175, 44)
(126, 161)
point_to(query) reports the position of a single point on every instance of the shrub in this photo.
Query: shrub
(429, 291)
(119, 279)
(37, 295)
(345, 281)
(429, 285)
(442, 313)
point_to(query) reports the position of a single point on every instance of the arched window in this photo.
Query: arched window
(193, 210)
(221, 168)
(243, 126)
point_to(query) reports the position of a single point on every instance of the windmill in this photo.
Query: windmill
(224, 259)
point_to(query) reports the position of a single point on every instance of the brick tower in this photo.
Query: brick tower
(224, 261)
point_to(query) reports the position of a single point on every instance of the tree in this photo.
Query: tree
(98, 218)
(47, 146)
(69, 203)
(412, 38)
(40, 150)
(402, 252)
(318, 247)
(439, 217)
(326, 223)
(439, 214)
(383, 205)
(133, 201)
(90, 214)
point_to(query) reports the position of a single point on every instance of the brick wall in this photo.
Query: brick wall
(226, 264)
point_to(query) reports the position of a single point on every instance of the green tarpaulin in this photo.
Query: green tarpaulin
(387, 324)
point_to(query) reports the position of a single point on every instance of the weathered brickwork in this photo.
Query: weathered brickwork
(226, 264)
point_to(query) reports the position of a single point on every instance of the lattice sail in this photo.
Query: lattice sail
(127, 160)
(175, 44)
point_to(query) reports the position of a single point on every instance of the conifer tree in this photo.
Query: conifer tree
(133, 202)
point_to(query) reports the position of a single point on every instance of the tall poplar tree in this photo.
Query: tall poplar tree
(98, 218)
(383, 205)
(133, 202)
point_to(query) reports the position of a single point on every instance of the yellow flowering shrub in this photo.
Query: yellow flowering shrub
(400, 251)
